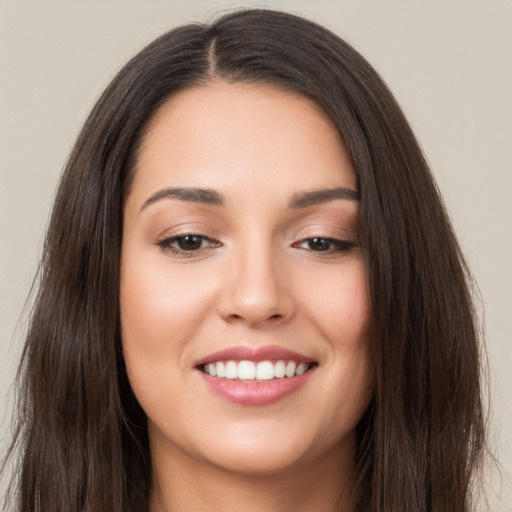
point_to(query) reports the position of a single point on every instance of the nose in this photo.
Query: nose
(258, 289)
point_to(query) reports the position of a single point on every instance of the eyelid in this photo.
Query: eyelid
(165, 244)
(328, 226)
(340, 245)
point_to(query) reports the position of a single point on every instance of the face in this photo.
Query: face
(244, 304)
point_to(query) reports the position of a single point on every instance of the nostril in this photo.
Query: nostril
(235, 317)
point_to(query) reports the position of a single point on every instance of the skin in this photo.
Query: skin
(255, 280)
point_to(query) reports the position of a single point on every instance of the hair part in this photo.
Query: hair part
(81, 434)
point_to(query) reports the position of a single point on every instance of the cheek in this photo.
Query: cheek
(161, 311)
(339, 308)
(157, 303)
(339, 302)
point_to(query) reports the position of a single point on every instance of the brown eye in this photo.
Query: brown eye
(319, 244)
(326, 245)
(187, 244)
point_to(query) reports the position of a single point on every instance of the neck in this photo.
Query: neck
(192, 485)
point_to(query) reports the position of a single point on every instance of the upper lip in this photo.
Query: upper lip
(247, 353)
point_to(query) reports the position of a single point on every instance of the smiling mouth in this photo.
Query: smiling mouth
(261, 371)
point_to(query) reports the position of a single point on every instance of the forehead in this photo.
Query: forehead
(230, 136)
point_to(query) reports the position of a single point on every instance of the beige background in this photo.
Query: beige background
(448, 62)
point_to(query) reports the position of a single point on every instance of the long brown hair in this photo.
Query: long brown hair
(81, 435)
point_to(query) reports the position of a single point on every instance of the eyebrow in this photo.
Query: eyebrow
(212, 197)
(194, 195)
(317, 197)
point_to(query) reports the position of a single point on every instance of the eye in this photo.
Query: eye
(187, 244)
(324, 245)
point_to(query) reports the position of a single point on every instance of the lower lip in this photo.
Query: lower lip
(255, 393)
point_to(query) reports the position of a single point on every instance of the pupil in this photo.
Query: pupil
(319, 244)
(190, 242)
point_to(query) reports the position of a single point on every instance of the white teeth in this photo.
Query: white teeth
(231, 370)
(221, 370)
(290, 369)
(279, 369)
(301, 368)
(265, 370)
(248, 370)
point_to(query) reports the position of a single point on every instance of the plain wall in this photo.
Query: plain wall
(448, 62)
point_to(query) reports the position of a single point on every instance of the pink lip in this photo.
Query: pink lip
(256, 354)
(255, 393)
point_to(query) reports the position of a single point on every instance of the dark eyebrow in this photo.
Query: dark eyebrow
(305, 199)
(195, 195)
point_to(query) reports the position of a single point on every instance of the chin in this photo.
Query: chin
(263, 448)
(257, 459)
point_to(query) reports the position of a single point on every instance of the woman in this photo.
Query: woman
(251, 297)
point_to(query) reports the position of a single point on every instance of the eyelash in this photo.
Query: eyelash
(167, 244)
(334, 245)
